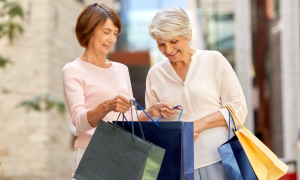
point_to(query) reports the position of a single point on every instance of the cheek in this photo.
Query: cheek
(182, 45)
(161, 49)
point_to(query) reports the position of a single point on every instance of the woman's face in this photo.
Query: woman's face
(104, 37)
(175, 49)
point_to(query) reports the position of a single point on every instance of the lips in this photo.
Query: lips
(174, 54)
(106, 46)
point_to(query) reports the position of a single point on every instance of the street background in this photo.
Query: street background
(260, 38)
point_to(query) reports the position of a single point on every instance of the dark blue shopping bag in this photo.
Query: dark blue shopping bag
(234, 158)
(177, 138)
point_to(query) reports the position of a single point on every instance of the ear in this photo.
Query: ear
(190, 39)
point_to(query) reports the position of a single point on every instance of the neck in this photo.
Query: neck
(94, 57)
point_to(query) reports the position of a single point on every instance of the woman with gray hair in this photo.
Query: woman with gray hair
(202, 82)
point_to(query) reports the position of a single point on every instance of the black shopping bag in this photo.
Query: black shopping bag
(177, 138)
(119, 155)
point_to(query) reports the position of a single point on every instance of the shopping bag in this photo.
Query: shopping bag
(264, 162)
(177, 138)
(234, 159)
(116, 154)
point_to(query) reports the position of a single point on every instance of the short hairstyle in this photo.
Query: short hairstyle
(170, 22)
(92, 16)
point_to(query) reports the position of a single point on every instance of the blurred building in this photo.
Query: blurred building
(37, 145)
(265, 56)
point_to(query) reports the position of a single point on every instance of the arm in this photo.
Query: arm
(231, 94)
(82, 118)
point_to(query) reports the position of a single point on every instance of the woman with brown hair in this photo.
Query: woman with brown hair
(96, 88)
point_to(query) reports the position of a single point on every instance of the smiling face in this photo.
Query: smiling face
(175, 49)
(104, 37)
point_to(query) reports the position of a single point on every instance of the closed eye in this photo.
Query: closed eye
(173, 42)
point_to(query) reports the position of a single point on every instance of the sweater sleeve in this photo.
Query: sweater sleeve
(74, 97)
(128, 114)
(231, 91)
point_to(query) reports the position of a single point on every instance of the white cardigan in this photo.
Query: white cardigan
(210, 85)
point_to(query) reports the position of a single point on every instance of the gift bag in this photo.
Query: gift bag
(116, 154)
(177, 138)
(234, 159)
(264, 162)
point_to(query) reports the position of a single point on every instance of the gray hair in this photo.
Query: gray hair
(169, 23)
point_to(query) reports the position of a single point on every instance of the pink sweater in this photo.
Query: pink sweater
(86, 86)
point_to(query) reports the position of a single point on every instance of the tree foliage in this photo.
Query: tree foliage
(44, 102)
(10, 14)
(4, 61)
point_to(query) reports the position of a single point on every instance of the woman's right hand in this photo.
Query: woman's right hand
(119, 103)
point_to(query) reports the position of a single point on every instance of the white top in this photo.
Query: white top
(210, 85)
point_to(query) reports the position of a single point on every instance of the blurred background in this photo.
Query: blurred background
(260, 38)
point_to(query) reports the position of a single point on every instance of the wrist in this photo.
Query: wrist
(105, 106)
(200, 125)
(149, 112)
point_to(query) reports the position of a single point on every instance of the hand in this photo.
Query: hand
(162, 109)
(119, 103)
(196, 135)
(198, 128)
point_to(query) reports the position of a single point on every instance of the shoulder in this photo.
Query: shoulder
(119, 66)
(216, 58)
(216, 55)
(159, 67)
(69, 67)
(72, 70)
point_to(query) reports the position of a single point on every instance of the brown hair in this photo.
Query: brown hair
(92, 16)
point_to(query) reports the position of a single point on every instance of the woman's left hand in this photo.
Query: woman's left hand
(161, 109)
(196, 135)
(212, 120)
(198, 127)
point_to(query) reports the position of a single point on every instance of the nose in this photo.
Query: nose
(112, 38)
(168, 49)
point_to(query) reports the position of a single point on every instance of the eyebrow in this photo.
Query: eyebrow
(169, 41)
(111, 30)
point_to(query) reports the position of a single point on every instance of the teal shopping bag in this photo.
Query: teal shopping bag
(116, 154)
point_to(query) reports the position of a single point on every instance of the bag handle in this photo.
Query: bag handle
(133, 137)
(122, 121)
(144, 111)
(173, 108)
(155, 122)
(234, 117)
(229, 124)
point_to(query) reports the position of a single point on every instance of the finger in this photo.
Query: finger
(179, 108)
(167, 114)
(168, 111)
(166, 105)
(196, 135)
(124, 98)
(123, 103)
(123, 107)
(164, 115)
